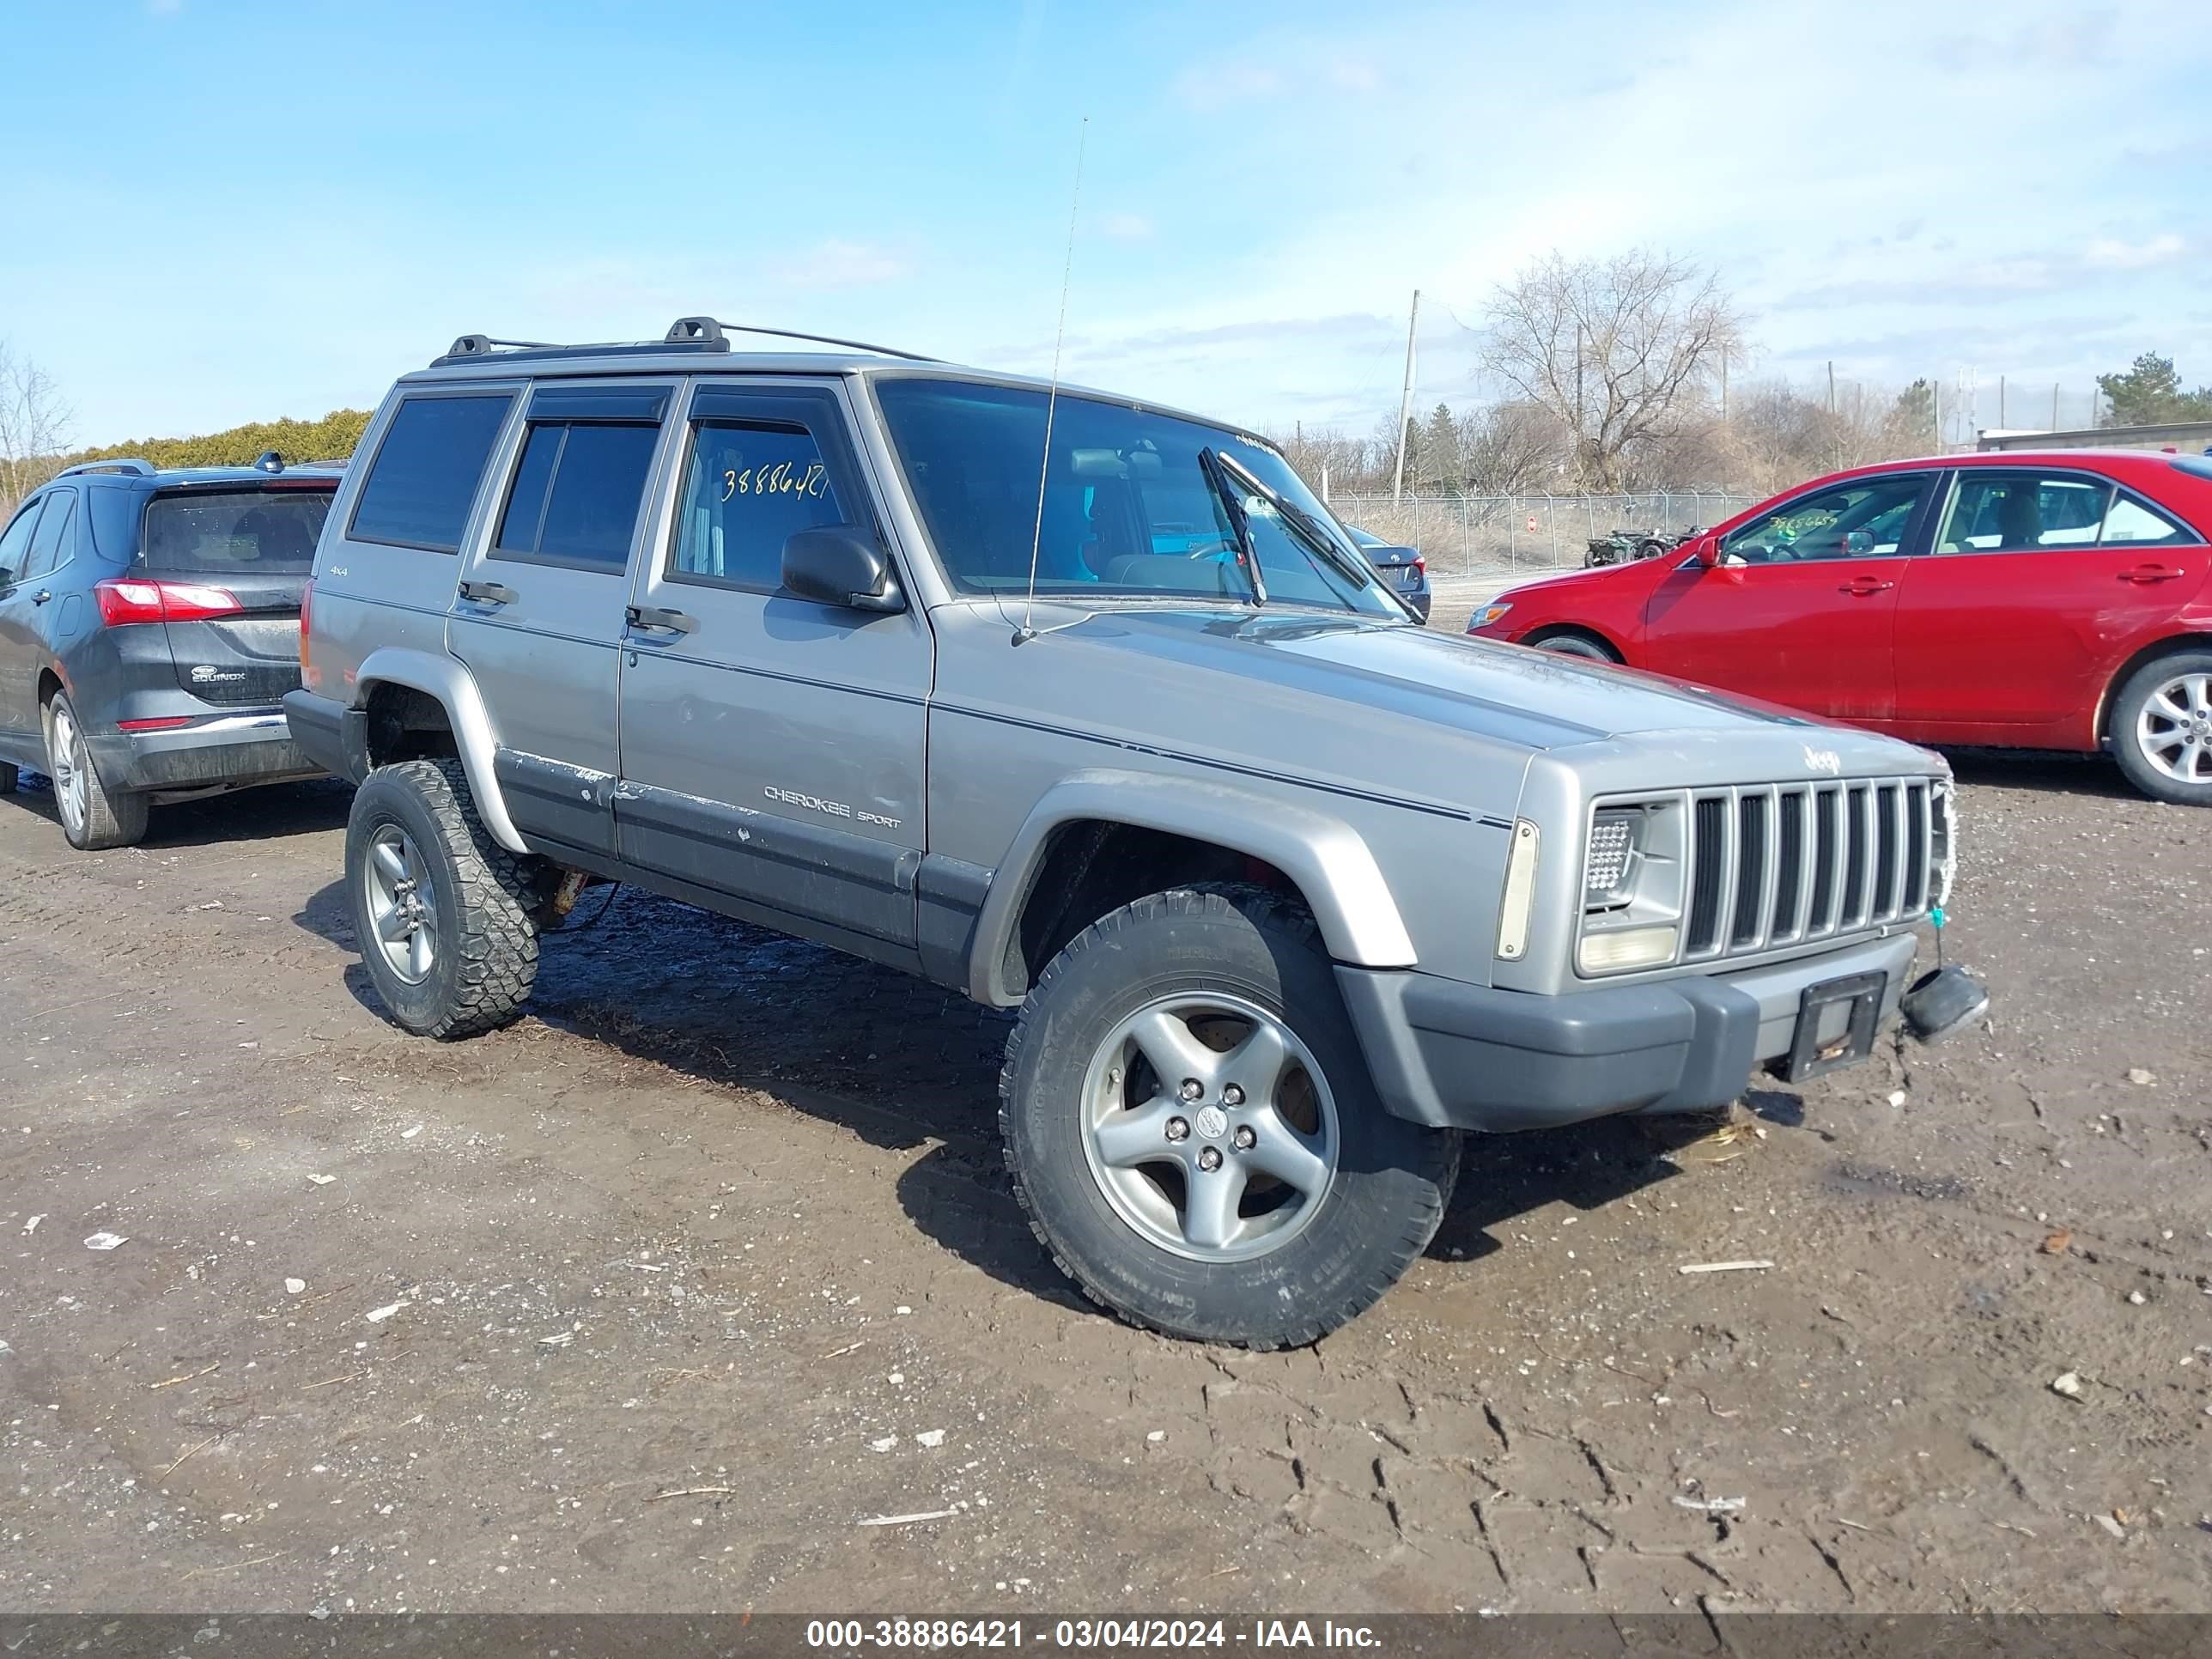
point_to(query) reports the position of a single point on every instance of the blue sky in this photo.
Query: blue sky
(221, 212)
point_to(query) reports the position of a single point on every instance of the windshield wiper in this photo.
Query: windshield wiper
(1213, 465)
(1303, 524)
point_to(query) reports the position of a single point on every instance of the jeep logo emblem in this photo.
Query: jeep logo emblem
(1823, 760)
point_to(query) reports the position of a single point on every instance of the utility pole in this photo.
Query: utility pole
(1831, 386)
(1936, 387)
(2001, 421)
(1723, 385)
(2054, 405)
(1405, 404)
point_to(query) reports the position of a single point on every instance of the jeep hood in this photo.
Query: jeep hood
(1526, 698)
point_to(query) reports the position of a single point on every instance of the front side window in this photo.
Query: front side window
(266, 533)
(576, 494)
(1868, 518)
(1131, 507)
(427, 471)
(747, 486)
(54, 544)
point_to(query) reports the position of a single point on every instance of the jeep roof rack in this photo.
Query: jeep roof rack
(706, 330)
(131, 465)
(684, 334)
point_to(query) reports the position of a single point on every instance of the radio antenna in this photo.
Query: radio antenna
(1052, 396)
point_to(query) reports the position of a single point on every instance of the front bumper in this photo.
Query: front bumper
(1460, 1056)
(254, 746)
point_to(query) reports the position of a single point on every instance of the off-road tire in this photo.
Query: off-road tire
(109, 818)
(1576, 645)
(485, 899)
(1392, 1178)
(7, 779)
(2127, 704)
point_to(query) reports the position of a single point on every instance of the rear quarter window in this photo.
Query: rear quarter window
(427, 471)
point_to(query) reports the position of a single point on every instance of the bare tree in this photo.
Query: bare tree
(1511, 448)
(1612, 348)
(35, 423)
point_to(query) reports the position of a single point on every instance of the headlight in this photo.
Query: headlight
(1487, 615)
(1609, 864)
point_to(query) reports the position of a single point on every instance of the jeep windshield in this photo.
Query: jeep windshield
(1131, 507)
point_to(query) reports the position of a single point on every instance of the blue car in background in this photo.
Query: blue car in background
(1403, 567)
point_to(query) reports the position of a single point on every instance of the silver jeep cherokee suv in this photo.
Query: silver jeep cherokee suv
(1088, 708)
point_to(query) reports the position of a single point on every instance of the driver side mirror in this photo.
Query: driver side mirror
(840, 564)
(1706, 551)
(1858, 544)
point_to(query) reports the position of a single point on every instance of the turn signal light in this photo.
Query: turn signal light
(136, 599)
(1619, 950)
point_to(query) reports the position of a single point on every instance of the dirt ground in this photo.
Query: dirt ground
(658, 1299)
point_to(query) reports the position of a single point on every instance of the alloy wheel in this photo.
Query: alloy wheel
(402, 905)
(1209, 1127)
(2174, 729)
(69, 762)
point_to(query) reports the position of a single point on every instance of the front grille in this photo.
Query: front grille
(1785, 864)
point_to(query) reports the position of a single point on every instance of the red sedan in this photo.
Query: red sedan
(2052, 600)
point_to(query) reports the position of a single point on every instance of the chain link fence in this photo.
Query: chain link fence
(1501, 538)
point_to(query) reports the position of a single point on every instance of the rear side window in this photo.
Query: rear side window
(15, 543)
(55, 544)
(576, 494)
(235, 532)
(425, 471)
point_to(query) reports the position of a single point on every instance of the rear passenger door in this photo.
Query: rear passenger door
(772, 746)
(18, 640)
(2042, 579)
(538, 615)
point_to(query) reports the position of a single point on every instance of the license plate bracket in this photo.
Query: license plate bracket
(1809, 1056)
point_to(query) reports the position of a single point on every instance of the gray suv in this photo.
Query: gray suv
(1086, 708)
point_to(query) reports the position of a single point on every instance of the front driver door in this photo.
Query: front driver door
(1800, 609)
(772, 747)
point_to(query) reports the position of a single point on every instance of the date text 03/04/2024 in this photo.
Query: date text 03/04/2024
(856, 1635)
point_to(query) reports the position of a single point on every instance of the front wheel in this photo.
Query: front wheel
(2161, 728)
(1191, 1128)
(94, 819)
(1575, 645)
(444, 914)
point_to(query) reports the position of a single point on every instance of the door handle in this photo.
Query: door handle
(2147, 573)
(489, 593)
(1861, 586)
(40, 596)
(666, 621)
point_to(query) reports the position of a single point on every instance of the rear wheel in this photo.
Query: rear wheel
(2161, 728)
(444, 914)
(1192, 1131)
(92, 818)
(1576, 645)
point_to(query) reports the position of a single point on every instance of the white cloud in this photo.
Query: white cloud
(840, 264)
(2115, 255)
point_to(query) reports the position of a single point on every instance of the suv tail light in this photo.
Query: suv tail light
(137, 599)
